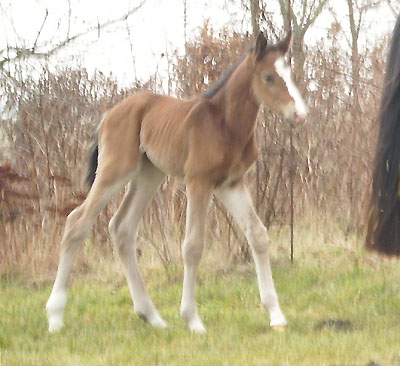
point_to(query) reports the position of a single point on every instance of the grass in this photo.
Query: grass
(325, 283)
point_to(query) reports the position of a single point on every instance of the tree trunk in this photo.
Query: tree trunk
(255, 16)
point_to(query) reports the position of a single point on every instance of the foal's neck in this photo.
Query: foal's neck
(240, 104)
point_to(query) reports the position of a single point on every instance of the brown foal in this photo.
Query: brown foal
(209, 142)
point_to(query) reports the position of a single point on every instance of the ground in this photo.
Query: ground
(342, 307)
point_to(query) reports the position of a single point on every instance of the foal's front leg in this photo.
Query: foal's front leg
(199, 196)
(238, 202)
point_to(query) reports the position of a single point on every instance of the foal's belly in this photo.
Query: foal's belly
(162, 136)
(170, 164)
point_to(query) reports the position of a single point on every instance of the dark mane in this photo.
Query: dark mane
(209, 93)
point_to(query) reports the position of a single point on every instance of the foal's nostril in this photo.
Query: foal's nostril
(298, 118)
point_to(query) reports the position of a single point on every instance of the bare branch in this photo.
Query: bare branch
(313, 15)
(128, 31)
(33, 52)
(69, 18)
(309, 14)
(40, 30)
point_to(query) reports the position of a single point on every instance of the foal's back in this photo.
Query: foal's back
(147, 123)
(180, 137)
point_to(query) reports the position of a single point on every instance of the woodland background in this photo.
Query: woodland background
(49, 114)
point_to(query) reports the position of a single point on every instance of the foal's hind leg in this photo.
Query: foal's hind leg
(119, 159)
(124, 228)
(77, 228)
(238, 202)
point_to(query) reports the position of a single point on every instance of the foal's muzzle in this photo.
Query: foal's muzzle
(299, 117)
(296, 119)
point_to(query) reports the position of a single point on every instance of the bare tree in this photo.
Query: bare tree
(357, 10)
(303, 14)
(255, 12)
(37, 49)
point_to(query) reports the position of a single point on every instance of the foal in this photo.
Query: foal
(209, 142)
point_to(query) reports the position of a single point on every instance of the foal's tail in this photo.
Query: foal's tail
(383, 222)
(93, 160)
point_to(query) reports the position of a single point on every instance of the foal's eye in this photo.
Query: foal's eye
(269, 78)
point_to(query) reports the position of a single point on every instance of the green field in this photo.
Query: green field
(342, 306)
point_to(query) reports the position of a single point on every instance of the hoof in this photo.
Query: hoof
(55, 311)
(55, 325)
(158, 323)
(198, 328)
(194, 322)
(154, 320)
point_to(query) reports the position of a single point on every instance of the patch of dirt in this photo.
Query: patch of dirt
(336, 324)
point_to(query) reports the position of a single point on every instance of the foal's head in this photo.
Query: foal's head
(272, 81)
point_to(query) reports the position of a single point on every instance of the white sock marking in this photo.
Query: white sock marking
(55, 310)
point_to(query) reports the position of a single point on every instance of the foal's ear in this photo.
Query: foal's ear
(261, 45)
(286, 43)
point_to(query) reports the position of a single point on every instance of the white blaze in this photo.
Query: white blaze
(284, 72)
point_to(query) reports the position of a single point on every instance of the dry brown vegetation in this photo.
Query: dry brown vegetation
(48, 121)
